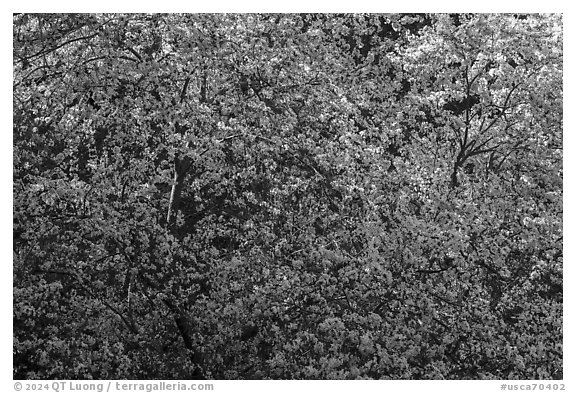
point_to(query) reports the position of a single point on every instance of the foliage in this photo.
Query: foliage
(287, 196)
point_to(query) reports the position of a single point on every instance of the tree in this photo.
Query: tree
(287, 196)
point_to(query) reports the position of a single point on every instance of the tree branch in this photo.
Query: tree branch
(184, 89)
(54, 48)
(134, 53)
(129, 324)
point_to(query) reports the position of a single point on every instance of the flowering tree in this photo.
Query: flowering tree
(287, 196)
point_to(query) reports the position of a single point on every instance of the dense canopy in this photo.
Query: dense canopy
(287, 196)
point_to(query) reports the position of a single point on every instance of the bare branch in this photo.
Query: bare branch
(134, 53)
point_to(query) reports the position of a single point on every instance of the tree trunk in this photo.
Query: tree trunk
(181, 168)
(186, 331)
